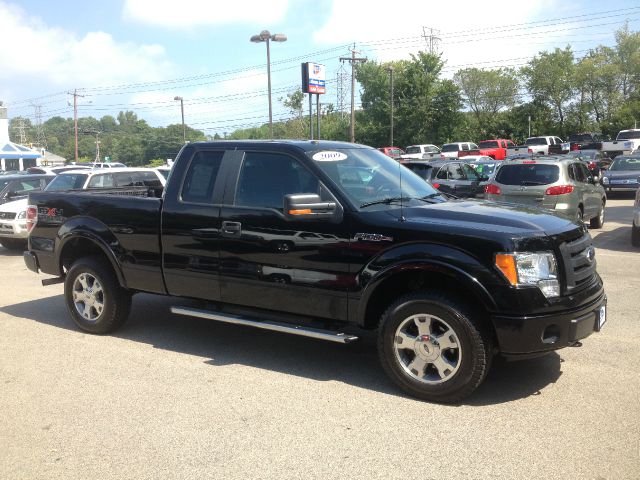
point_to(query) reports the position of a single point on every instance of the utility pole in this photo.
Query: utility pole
(353, 60)
(97, 147)
(75, 119)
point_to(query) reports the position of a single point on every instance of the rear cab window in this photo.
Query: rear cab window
(528, 174)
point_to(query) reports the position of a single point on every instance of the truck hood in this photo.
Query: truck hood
(476, 216)
(622, 174)
(16, 206)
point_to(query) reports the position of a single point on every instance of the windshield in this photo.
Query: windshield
(412, 150)
(528, 174)
(536, 141)
(629, 135)
(625, 164)
(67, 181)
(367, 176)
(580, 137)
(484, 169)
(583, 153)
(488, 144)
(450, 147)
(4, 183)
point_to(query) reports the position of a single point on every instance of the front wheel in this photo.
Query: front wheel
(598, 221)
(635, 236)
(14, 243)
(94, 298)
(432, 347)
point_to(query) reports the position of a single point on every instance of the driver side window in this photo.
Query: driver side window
(265, 178)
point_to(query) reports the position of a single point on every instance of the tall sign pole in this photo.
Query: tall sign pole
(353, 60)
(314, 81)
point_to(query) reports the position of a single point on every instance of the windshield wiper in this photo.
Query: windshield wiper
(429, 198)
(385, 201)
(531, 183)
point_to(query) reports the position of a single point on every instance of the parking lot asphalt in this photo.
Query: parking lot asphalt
(180, 398)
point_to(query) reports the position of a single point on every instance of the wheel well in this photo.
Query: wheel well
(80, 248)
(402, 283)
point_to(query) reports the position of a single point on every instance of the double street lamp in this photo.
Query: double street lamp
(265, 36)
(184, 131)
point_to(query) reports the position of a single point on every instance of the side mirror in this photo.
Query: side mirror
(310, 207)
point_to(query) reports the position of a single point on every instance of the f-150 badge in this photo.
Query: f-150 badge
(372, 237)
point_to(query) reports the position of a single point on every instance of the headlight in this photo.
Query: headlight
(22, 215)
(605, 179)
(526, 268)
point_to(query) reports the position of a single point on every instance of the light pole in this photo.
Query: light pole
(390, 70)
(265, 36)
(184, 131)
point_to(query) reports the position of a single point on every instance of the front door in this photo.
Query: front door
(267, 261)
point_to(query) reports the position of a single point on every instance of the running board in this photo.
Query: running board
(266, 325)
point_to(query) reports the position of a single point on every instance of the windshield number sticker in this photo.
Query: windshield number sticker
(329, 156)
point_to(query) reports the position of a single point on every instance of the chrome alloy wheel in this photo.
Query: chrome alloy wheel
(88, 296)
(427, 348)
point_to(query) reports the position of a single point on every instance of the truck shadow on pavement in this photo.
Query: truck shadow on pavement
(220, 344)
(617, 240)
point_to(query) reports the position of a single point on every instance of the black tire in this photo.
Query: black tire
(13, 243)
(598, 221)
(635, 236)
(109, 309)
(470, 359)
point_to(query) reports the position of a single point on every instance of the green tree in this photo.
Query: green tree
(550, 80)
(487, 92)
(423, 103)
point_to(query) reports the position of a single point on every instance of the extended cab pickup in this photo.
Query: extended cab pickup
(496, 149)
(323, 239)
(545, 145)
(625, 143)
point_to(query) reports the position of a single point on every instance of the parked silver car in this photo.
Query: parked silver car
(563, 185)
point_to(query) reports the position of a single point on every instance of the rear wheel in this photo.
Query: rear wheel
(13, 243)
(432, 347)
(94, 298)
(598, 222)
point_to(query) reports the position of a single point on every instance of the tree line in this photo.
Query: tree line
(555, 93)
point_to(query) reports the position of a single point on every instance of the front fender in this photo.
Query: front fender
(469, 272)
(94, 231)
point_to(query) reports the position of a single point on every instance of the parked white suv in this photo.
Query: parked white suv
(13, 215)
(452, 150)
(540, 145)
(421, 152)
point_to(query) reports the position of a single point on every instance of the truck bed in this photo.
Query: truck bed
(128, 224)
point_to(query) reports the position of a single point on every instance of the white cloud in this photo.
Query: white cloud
(468, 29)
(57, 58)
(190, 13)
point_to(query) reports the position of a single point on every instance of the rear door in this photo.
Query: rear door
(191, 224)
(268, 261)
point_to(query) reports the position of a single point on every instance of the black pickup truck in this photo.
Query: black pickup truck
(323, 239)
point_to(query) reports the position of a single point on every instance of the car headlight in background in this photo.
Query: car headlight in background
(21, 215)
(605, 180)
(525, 268)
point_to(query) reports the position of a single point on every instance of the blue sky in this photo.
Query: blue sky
(138, 54)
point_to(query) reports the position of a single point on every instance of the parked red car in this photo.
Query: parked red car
(393, 152)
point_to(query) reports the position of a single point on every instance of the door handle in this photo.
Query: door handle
(231, 228)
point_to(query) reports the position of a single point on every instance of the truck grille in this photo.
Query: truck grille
(7, 215)
(579, 261)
